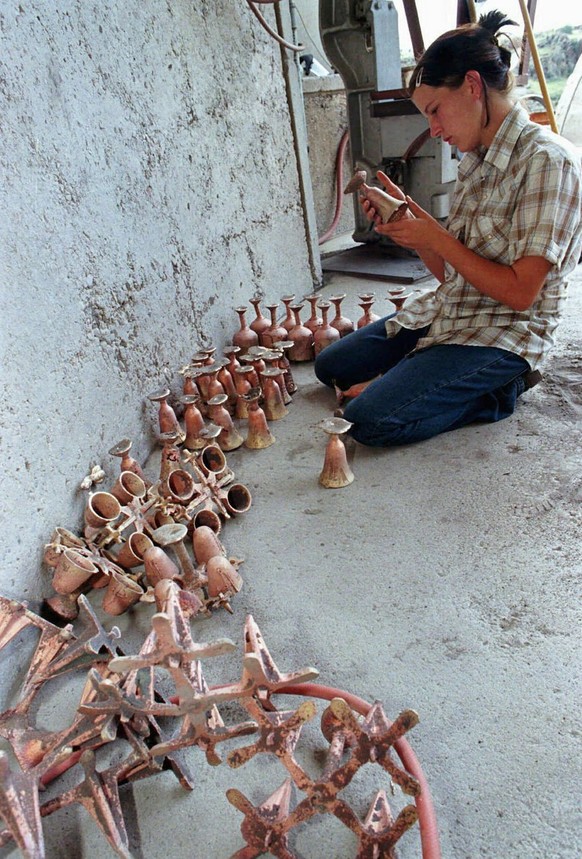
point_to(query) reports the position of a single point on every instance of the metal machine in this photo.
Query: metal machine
(360, 38)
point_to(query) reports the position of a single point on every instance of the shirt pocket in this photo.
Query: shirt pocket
(490, 238)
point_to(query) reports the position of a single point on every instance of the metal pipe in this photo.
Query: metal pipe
(270, 30)
(538, 65)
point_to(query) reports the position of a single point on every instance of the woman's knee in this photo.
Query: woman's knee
(381, 430)
(327, 364)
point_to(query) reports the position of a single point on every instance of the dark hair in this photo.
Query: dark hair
(473, 46)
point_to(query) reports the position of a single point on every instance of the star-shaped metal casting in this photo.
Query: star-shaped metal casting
(20, 806)
(369, 742)
(98, 793)
(265, 826)
(112, 701)
(20, 809)
(15, 617)
(171, 654)
(125, 703)
(28, 742)
(279, 735)
(379, 833)
(175, 650)
(120, 697)
(205, 733)
(259, 668)
(35, 747)
(89, 644)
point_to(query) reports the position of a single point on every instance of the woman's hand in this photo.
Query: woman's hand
(391, 189)
(350, 393)
(418, 231)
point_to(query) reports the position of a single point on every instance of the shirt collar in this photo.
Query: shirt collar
(499, 153)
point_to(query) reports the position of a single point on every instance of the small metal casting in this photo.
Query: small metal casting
(336, 471)
(259, 436)
(398, 296)
(342, 323)
(167, 420)
(273, 405)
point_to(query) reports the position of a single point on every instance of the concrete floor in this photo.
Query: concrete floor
(445, 579)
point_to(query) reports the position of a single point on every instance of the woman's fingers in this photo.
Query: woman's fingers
(390, 186)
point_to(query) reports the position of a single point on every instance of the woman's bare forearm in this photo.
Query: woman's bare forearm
(434, 263)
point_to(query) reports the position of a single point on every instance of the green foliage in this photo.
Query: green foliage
(555, 88)
(558, 51)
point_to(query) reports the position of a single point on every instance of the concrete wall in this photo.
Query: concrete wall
(149, 186)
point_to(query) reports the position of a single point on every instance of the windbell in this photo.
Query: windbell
(72, 571)
(326, 334)
(122, 592)
(179, 486)
(173, 535)
(275, 331)
(288, 322)
(193, 422)
(128, 463)
(245, 336)
(229, 438)
(167, 420)
(128, 487)
(285, 346)
(367, 300)
(314, 320)
(102, 509)
(133, 550)
(260, 323)
(237, 498)
(342, 323)
(206, 544)
(336, 472)
(211, 459)
(158, 565)
(259, 435)
(223, 578)
(388, 208)
(273, 404)
(243, 386)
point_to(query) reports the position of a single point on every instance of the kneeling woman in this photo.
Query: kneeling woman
(467, 350)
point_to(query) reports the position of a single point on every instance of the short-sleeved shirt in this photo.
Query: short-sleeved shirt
(520, 197)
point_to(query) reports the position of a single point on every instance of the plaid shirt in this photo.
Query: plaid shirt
(521, 197)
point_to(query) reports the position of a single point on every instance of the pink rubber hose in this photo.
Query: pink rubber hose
(339, 170)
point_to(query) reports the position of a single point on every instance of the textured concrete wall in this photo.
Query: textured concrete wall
(149, 186)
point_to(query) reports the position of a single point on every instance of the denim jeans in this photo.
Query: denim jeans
(419, 394)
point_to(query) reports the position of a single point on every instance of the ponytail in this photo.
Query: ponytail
(470, 47)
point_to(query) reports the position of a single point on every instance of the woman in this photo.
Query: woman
(466, 351)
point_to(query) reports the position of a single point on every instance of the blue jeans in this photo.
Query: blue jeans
(419, 394)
